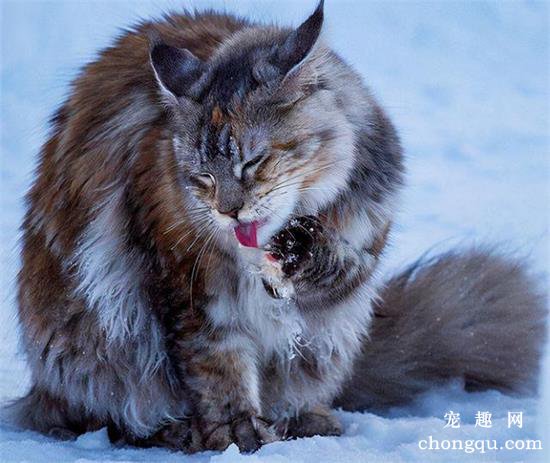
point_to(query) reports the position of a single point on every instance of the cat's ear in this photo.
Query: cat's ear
(297, 46)
(179, 72)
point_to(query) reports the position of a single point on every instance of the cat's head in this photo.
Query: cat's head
(258, 134)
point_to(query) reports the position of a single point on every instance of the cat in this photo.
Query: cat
(202, 239)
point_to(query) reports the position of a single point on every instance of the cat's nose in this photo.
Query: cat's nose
(229, 199)
(233, 213)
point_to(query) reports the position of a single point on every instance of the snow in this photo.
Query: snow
(467, 84)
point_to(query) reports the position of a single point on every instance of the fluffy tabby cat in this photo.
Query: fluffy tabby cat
(201, 245)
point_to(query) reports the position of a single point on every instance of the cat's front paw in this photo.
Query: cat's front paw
(293, 247)
(318, 422)
(183, 435)
(248, 432)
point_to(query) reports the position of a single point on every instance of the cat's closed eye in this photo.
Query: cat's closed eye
(204, 179)
(253, 162)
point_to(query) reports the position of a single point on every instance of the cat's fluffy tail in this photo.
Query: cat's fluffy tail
(473, 315)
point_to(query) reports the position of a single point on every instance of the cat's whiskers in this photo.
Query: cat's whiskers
(186, 234)
(193, 213)
(200, 221)
(274, 166)
(201, 232)
(210, 251)
(308, 188)
(213, 233)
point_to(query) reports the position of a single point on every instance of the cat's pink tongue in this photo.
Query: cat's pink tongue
(246, 234)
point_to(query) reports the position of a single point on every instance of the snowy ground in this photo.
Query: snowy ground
(467, 83)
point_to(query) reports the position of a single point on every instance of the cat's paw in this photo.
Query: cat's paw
(62, 433)
(180, 435)
(319, 422)
(248, 432)
(293, 247)
(251, 433)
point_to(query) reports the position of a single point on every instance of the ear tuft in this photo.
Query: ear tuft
(178, 71)
(301, 41)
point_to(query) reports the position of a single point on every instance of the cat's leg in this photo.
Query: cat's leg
(81, 385)
(41, 411)
(221, 373)
(332, 289)
(299, 395)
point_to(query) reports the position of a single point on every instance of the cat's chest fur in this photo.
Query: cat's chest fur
(277, 329)
(275, 325)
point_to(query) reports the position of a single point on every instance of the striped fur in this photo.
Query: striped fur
(139, 309)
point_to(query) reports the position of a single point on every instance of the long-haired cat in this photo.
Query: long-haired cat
(201, 242)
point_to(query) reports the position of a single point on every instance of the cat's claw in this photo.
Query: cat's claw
(249, 433)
